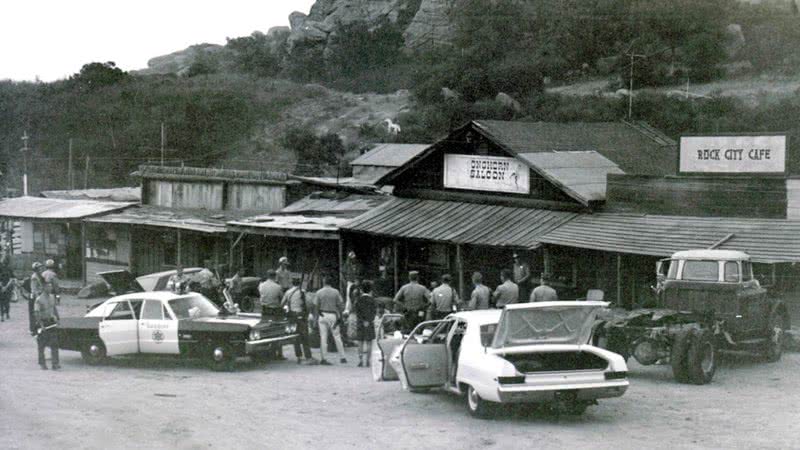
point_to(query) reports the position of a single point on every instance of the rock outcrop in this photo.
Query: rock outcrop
(432, 24)
(180, 61)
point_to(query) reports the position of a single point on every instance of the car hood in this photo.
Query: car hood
(546, 323)
(121, 281)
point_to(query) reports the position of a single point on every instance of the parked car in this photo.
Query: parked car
(165, 323)
(525, 353)
(707, 300)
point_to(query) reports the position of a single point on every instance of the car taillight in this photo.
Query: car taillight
(616, 375)
(518, 379)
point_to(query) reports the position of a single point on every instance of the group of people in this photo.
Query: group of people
(41, 291)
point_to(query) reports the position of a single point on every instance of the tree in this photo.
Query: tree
(253, 54)
(95, 75)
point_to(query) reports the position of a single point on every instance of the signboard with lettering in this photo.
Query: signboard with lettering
(486, 173)
(733, 154)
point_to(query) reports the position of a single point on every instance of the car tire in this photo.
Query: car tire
(679, 356)
(702, 357)
(776, 339)
(94, 353)
(221, 358)
(477, 406)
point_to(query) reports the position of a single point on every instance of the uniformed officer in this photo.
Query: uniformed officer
(415, 299)
(271, 294)
(508, 292)
(295, 300)
(544, 293)
(46, 316)
(444, 299)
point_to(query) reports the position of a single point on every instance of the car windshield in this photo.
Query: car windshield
(193, 306)
(558, 324)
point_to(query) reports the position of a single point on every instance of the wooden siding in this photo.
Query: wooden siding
(255, 197)
(698, 196)
(181, 194)
(793, 199)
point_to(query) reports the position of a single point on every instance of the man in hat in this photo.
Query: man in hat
(46, 316)
(522, 276)
(544, 293)
(414, 298)
(282, 274)
(444, 299)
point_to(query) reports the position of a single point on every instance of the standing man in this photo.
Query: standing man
(283, 274)
(480, 294)
(544, 293)
(522, 276)
(508, 292)
(444, 299)
(35, 289)
(271, 294)
(415, 299)
(295, 300)
(46, 316)
(352, 273)
(179, 282)
(328, 313)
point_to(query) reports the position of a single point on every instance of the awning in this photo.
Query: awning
(38, 208)
(202, 221)
(459, 223)
(765, 240)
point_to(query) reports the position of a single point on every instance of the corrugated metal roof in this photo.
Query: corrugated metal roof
(334, 203)
(581, 174)
(765, 240)
(126, 194)
(204, 221)
(292, 222)
(38, 208)
(389, 155)
(460, 223)
(633, 148)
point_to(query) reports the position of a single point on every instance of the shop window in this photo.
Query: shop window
(101, 244)
(38, 238)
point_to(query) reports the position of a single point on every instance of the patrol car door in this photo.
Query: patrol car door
(118, 329)
(424, 356)
(158, 330)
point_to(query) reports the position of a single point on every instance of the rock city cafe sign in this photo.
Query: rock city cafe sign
(733, 154)
(486, 173)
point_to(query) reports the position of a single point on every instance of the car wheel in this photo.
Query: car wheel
(679, 356)
(702, 357)
(773, 345)
(376, 364)
(94, 353)
(221, 358)
(477, 406)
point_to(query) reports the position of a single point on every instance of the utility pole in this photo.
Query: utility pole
(70, 179)
(86, 174)
(630, 90)
(163, 139)
(24, 151)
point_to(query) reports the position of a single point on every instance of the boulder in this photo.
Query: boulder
(508, 101)
(94, 290)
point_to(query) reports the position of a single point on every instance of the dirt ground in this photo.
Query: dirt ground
(169, 403)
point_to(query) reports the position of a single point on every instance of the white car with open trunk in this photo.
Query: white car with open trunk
(525, 353)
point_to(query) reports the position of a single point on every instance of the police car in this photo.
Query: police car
(166, 323)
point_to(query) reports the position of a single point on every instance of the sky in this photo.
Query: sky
(52, 39)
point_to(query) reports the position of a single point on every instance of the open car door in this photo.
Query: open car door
(424, 356)
(388, 338)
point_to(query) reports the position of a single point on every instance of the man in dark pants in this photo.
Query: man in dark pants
(295, 298)
(47, 322)
(415, 299)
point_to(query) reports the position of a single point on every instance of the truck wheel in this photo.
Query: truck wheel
(221, 358)
(94, 353)
(702, 357)
(773, 346)
(679, 356)
(477, 406)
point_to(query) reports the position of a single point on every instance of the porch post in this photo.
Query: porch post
(342, 285)
(395, 258)
(179, 248)
(460, 269)
(83, 252)
(619, 280)
(546, 260)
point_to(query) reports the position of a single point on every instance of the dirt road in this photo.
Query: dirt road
(165, 403)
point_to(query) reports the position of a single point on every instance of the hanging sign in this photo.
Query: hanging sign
(733, 154)
(486, 173)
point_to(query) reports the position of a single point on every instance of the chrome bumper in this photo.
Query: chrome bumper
(265, 344)
(524, 393)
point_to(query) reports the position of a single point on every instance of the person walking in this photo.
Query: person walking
(46, 316)
(328, 314)
(508, 292)
(282, 274)
(522, 276)
(295, 300)
(444, 299)
(365, 310)
(543, 292)
(414, 298)
(480, 293)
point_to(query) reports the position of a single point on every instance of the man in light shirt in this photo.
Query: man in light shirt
(508, 292)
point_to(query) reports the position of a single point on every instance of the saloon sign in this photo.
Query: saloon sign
(733, 154)
(486, 173)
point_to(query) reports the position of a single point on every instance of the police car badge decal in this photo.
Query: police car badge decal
(158, 336)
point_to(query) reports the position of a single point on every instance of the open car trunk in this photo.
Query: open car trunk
(121, 281)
